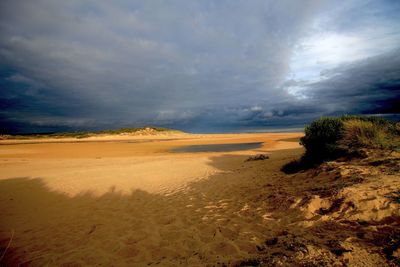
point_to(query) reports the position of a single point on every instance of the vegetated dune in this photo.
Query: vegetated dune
(232, 212)
(347, 214)
(117, 134)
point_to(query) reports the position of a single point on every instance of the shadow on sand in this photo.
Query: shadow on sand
(239, 218)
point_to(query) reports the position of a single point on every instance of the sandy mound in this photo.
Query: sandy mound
(339, 214)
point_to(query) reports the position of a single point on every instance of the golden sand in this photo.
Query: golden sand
(121, 200)
(129, 201)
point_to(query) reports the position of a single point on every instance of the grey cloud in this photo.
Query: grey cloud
(370, 85)
(189, 64)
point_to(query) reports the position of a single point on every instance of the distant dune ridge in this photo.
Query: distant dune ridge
(134, 203)
(82, 134)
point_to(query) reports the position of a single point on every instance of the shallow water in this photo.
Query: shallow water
(218, 147)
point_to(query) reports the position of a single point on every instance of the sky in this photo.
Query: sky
(198, 65)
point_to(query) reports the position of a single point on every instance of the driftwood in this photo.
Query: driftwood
(258, 157)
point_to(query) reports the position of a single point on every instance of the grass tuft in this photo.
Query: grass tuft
(366, 134)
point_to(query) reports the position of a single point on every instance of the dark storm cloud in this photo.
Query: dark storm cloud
(193, 64)
(368, 86)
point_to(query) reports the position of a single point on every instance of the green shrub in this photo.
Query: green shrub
(329, 138)
(321, 138)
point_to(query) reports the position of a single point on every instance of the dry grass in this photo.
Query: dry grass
(358, 134)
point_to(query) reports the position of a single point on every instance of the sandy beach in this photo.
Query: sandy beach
(130, 201)
(200, 133)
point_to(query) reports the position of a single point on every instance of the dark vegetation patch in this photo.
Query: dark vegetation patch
(388, 238)
(336, 248)
(344, 137)
(333, 208)
(248, 262)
